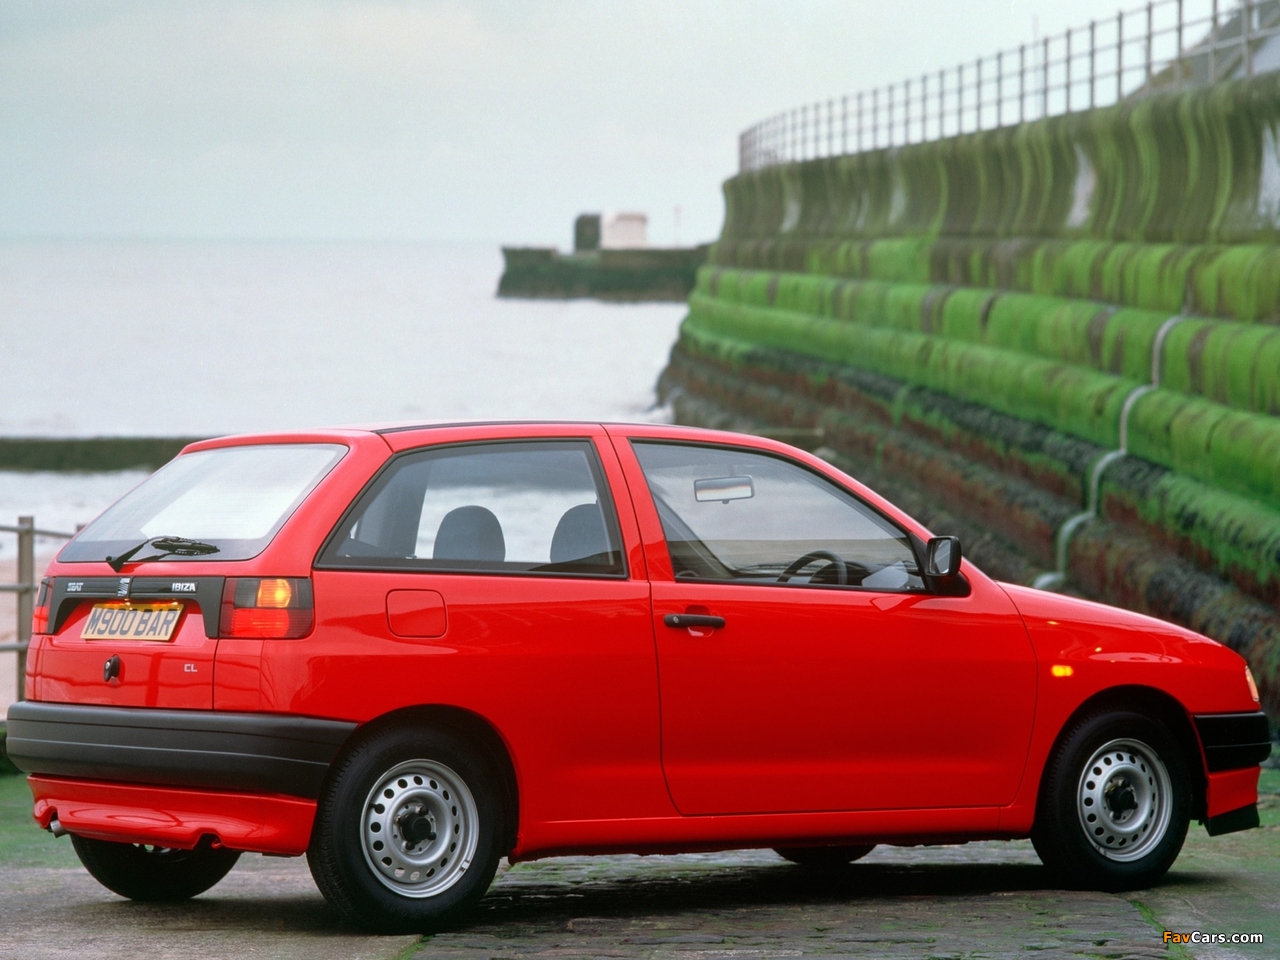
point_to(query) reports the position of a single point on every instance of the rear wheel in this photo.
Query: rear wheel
(1114, 803)
(153, 874)
(408, 831)
(824, 858)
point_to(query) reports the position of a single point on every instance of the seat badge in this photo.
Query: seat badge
(123, 589)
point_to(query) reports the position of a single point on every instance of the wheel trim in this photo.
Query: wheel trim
(1124, 800)
(402, 796)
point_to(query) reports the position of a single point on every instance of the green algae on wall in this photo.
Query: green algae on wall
(1237, 450)
(1177, 168)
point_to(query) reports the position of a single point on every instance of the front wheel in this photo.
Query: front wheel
(1114, 803)
(408, 831)
(824, 858)
(153, 874)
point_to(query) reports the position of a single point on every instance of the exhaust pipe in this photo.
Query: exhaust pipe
(56, 827)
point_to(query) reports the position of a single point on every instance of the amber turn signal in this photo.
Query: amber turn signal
(1253, 685)
(275, 593)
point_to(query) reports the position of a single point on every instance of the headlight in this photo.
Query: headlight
(1253, 686)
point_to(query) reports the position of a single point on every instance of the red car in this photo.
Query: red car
(409, 652)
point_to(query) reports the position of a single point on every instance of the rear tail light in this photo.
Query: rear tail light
(40, 612)
(273, 607)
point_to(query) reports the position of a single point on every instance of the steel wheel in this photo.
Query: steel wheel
(420, 828)
(1115, 801)
(409, 829)
(1123, 800)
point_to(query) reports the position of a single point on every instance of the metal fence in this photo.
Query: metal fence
(1153, 48)
(25, 587)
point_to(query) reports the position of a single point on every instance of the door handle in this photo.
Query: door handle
(678, 620)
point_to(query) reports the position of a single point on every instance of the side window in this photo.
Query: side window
(519, 507)
(742, 517)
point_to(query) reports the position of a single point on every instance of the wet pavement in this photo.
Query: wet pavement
(991, 900)
(978, 900)
(264, 908)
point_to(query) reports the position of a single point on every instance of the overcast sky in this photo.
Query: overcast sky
(493, 120)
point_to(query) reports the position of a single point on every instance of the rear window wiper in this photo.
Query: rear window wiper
(168, 547)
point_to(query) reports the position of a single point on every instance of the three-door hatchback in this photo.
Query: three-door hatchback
(409, 652)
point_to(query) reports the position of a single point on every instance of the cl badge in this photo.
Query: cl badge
(111, 669)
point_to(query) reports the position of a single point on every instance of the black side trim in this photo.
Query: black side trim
(253, 752)
(1233, 741)
(1246, 818)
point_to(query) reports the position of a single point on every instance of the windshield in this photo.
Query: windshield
(232, 498)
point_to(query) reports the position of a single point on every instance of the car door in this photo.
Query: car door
(493, 577)
(819, 673)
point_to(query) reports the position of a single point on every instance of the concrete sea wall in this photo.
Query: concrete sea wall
(1062, 337)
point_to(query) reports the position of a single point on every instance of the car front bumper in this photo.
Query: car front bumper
(1234, 744)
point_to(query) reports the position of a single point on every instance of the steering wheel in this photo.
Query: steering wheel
(799, 563)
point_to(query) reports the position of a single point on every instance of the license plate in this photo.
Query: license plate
(132, 621)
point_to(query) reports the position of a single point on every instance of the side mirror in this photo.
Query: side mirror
(942, 557)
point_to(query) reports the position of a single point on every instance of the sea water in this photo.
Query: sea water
(201, 339)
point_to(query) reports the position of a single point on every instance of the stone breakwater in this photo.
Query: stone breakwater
(1062, 336)
(89, 454)
(621, 276)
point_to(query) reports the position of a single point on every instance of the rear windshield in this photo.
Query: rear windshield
(233, 498)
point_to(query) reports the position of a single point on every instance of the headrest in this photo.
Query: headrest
(579, 534)
(470, 533)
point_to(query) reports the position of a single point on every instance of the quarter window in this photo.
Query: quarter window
(742, 517)
(524, 507)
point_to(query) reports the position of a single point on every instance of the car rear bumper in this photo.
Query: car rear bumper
(254, 753)
(168, 817)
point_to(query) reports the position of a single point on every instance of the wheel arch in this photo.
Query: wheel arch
(1158, 705)
(465, 723)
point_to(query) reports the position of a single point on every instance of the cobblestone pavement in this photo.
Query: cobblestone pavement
(976, 900)
(980, 900)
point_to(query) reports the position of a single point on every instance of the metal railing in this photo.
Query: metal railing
(25, 587)
(1138, 52)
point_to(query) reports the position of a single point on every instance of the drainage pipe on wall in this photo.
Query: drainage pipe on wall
(1054, 579)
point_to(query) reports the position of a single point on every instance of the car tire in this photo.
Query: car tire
(1114, 804)
(409, 830)
(824, 858)
(153, 874)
